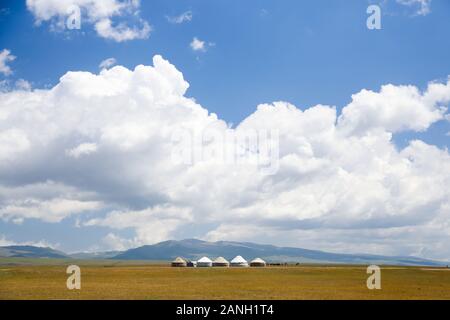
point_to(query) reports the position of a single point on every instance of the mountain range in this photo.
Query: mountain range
(30, 252)
(194, 249)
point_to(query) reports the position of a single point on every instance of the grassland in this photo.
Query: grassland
(46, 279)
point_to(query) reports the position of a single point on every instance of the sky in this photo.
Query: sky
(88, 115)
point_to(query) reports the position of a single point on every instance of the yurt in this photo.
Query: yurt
(204, 262)
(220, 262)
(179, 262)
(258, 262)
(239, 262)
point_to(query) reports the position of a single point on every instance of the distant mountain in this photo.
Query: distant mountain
(30, 252)
(194, 249)
(95, 255)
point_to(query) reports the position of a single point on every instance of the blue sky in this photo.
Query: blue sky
(302, 52)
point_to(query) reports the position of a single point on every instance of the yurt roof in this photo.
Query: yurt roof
(258, 260)
(204, 260)
(179, 260)
(220, 260)
(238, 259)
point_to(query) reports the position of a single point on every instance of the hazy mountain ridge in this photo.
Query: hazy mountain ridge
(95, 255)
(194, 249)
(30, 252)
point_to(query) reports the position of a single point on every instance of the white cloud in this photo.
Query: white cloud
(22, 84)
(152, 224)
(340, 174)
(395, 108)
(422, 7)
(98, 13)
(107, 63)
(54, 210)
(116, 243)
(45, 200)
(82, 149)
(12, 142)
(122, 32)
(198, 45)
(184, 17)
(5, 57)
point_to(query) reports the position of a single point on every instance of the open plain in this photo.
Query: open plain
(108, 279)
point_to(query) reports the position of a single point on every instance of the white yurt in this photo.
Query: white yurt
(220, 262)
(179, 262)
(258, 262)
(239, 262)
(204, 262)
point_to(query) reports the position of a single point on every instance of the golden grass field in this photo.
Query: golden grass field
(46, 279)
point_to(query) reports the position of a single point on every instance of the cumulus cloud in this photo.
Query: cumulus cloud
(152, 224)
(5, 58)
(114, 242)
(184, 17)
(99, 13)
(105, 147)
(46, 200)
(107, 63)
(422, 7)
(395, 108)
